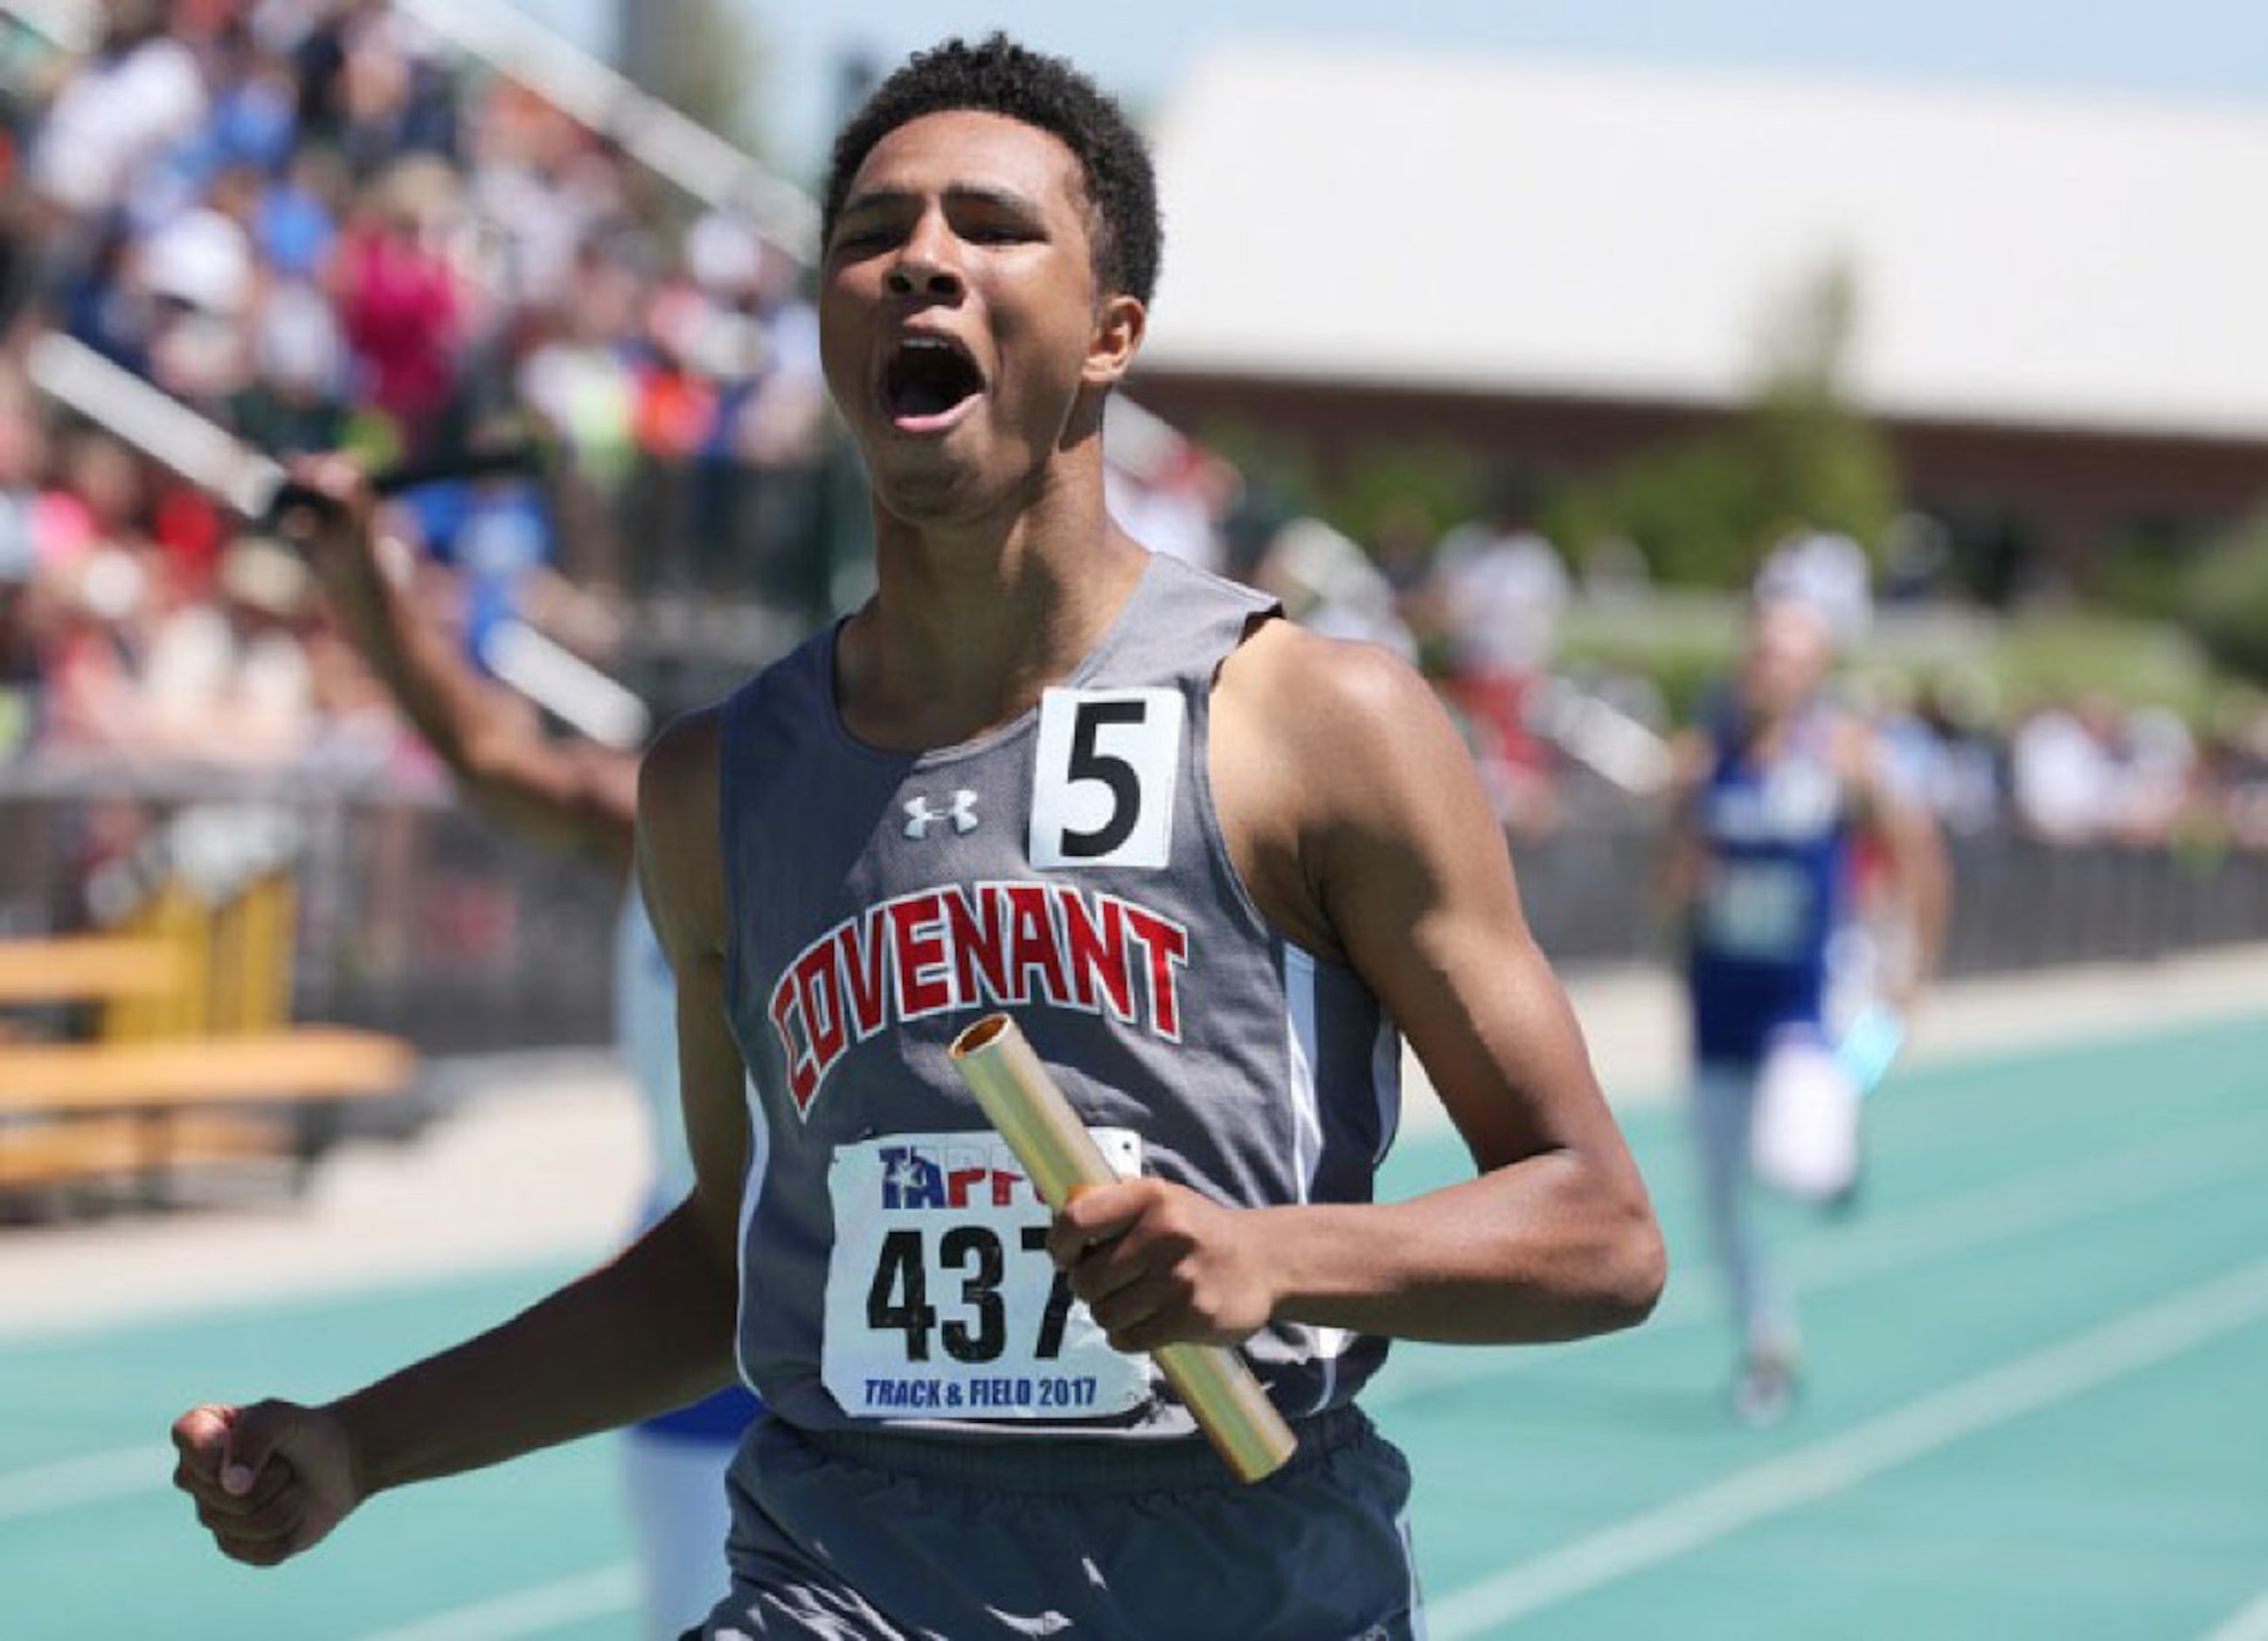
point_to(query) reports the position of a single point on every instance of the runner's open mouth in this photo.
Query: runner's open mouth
(928, 376)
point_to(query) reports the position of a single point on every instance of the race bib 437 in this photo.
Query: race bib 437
(941, 1300)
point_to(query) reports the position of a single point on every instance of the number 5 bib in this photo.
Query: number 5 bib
(941, 1300)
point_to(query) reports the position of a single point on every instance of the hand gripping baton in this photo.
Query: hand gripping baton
(1062, 1159)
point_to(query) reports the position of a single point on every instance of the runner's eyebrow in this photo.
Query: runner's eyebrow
(1000, 198)
(959, 192)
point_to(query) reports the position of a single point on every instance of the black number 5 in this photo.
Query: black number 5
(1087, 764)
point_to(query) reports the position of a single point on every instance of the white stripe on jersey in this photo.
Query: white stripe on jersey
(1304, 1049)
(1386, 1083)
(752, 1193)
(1299, 1029)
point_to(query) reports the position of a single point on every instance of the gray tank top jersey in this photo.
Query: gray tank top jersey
(1068, 868)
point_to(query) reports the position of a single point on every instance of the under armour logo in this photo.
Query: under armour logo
(920, 817)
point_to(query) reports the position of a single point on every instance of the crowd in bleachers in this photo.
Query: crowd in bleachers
(309, 221)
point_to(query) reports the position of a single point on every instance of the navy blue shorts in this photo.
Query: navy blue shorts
(890, 1537)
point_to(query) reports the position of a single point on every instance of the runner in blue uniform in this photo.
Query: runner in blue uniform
(1217, 866)
(578, 796)
(1773, 795)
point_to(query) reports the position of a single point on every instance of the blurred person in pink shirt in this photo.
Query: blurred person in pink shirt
(398, 297)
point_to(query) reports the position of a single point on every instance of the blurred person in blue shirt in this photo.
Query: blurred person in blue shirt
(581, 797)
(1773, 797)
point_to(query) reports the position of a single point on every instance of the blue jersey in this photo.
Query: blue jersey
(645, 1031)
(1775, 840)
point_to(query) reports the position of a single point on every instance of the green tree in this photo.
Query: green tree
(2225, 597)
(1703, 507)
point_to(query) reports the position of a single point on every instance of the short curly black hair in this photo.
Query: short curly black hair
(998, 75)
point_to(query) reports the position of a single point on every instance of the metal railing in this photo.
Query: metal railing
(418, 916)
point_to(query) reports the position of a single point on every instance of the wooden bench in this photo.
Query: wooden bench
(193, 1058)
(144, 1150)
(86, 968)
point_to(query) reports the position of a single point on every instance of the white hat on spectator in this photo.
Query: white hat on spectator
(1828, 571)
(200, 258)
(296, 339)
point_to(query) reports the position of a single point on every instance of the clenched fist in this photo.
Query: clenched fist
(270, 1480)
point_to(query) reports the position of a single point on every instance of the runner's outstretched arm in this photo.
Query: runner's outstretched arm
(650, 1331)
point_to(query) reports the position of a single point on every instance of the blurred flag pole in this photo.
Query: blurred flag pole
(1603, 739)
(564, 684)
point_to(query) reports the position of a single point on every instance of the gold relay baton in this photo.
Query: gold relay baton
(1023, 1102)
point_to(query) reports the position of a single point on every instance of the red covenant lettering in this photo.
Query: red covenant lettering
(1168, 946)
(980, 956)
(819, 995)
(866, 965)
(925, 968)
(802, 1072)
(1097, 951)
(992, 943)
(1032, 940)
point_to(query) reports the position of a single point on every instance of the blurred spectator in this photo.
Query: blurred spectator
(766, 346)
(398, 303)
(579, 376)
(229, 682)
(21, 452)
(197, 270)
(1402, 548)
(1167, 492)
(1960, 774)
(1329, 585)
(752, 330)
(1503, 590)
(387, 96)
(2239, 775)
(540, 190)
(93, 651)
(295, 222)
(138, 93)
(2064, 771)
(1499, 590)
(296, 399)
(1917, 558)
(2158, 772)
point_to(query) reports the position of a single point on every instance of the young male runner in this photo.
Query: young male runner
(1771, 797)
(1210, 861)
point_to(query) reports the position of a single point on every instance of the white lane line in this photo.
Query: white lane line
(102, 1477)
(1895, 1242)
(529, 1612)
(2141, 1339)
(2251, 1624)
(93, 1478)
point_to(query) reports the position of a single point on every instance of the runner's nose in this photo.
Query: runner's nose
(926, 263)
